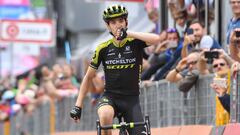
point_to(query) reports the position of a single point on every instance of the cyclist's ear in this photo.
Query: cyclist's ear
(108, 27)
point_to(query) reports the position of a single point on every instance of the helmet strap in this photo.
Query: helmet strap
(111, 33)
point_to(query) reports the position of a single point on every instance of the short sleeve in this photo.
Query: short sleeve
(141, 43)
(96, 58)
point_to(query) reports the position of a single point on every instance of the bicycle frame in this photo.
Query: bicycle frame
(123, 126)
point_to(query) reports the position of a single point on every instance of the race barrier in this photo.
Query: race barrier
(230, 129)
(170, 111)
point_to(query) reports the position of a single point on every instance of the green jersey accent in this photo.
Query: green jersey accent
(122, 65)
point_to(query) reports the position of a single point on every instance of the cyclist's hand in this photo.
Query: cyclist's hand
(75, 113)
(122, 34)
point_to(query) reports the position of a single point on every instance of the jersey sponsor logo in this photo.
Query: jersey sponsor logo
(119, 55)
(110, 54)
(127, 52)
(120, 66)
(127, 48)
(111, 50)
(124, 61)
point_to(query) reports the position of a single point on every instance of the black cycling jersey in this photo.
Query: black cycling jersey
(122, 65)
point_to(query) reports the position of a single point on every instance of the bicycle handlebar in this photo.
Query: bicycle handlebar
(125, 125)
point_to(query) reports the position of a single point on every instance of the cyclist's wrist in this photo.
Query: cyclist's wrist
(78, 107)
(76, 112)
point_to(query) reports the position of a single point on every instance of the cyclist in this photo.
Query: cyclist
(121, 58)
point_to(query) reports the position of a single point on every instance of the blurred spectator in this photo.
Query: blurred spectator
(222, 95)
(180, 15)
(186, 72)
(26, 95)
(235, 20)
(234, 44)
(65, 78)
(221, 83)
(181, 22)
(153, 15)
(58, 83)
(232, 30)
(203, 62)
(198, 9)
(152, 7)
(193, 8)
(176, 6)
(165, 55)
(8, 106)
(195, 38)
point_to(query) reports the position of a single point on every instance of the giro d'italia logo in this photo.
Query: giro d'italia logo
(12, 30)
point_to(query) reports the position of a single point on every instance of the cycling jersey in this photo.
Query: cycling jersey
(122, 65)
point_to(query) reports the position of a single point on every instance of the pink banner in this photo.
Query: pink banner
(151, 4)
(115, 0)
(131, 0)
(15, 2)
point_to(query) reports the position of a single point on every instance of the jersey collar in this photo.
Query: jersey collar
(122, 43)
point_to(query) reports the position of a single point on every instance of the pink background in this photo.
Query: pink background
(15, 2)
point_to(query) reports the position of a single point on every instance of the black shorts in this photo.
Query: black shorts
(128, 106)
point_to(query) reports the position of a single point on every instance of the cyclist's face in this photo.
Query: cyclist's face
(115, 24)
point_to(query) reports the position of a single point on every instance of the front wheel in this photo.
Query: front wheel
(148, 125)
(98, 127)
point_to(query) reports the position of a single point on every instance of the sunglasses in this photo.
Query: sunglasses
(180, 17)
(220, 64)
(171, 30)
(191, 63)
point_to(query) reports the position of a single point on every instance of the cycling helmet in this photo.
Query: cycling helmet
(114, 11)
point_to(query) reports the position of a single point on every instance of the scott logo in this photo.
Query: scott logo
(120, 66)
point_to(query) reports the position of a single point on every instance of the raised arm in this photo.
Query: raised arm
(202, 64)
(234, 51)
(233, 46)
(149, 38)
(174, 75)
(187, 40)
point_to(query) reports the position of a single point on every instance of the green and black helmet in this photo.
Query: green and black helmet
(114, 11)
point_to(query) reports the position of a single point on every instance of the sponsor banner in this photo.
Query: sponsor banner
(27, 31)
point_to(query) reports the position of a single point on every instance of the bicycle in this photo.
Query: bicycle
(123, 126)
